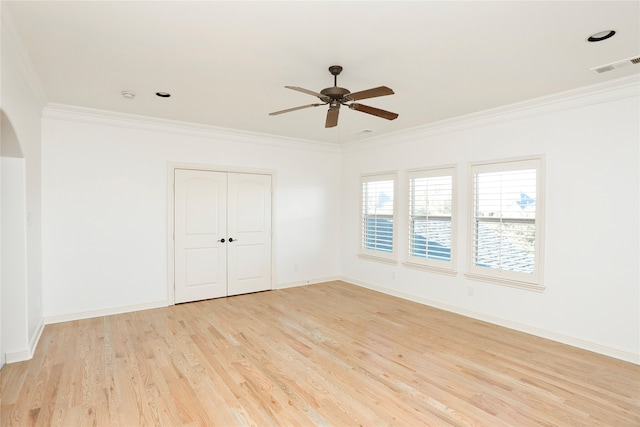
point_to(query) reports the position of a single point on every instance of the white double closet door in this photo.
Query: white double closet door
(222, 234)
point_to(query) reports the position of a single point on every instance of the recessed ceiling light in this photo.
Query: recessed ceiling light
(129, 94)
(163, 94)
(602, 35)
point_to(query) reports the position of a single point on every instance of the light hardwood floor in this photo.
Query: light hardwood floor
(328, 354)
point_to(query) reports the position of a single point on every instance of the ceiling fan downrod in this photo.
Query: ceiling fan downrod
(335, 70)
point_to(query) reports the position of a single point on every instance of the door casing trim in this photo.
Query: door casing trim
(171, 167)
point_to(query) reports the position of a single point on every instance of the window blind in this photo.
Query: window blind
(378, 214)
(504, 235)
(430, 216)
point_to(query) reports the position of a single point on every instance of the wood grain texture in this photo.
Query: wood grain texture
(328, 354)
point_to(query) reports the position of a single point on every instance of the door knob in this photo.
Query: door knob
(221, 240)
(231, 239)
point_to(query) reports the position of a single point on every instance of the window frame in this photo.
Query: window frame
(533, 281)
(373, 254)
(438, 266)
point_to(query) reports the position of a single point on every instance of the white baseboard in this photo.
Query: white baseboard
(26, 354)
(17, 356)
(307, 282)
(103, 312)
(554, 336)
(35, 338)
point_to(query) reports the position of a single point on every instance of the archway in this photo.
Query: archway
(13, 223)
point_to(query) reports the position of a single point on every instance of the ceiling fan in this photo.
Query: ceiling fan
(336, 96)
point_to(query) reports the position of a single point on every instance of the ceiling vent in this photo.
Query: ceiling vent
(616, 65)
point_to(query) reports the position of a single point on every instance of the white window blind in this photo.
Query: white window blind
(507, 221)
(378, 210)
(431, 215)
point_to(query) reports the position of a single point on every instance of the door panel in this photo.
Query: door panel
(202, 205)
(249, 225)
(199, 224)
(250, 270)
(249, 205)
(198, 266)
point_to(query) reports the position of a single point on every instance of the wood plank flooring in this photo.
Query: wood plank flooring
(329, 354)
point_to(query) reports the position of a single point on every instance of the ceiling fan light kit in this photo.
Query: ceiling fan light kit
(336, 96)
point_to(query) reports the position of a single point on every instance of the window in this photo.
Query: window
(431, 224)
(507, 222)
(378, 210)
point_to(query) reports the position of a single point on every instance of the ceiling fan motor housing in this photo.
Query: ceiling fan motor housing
(335, 92)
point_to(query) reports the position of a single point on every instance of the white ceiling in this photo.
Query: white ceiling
(226, 63)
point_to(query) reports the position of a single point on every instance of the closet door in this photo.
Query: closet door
(249, 231)
(200, 225)
(222, 234)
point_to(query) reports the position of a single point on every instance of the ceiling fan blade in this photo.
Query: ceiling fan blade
(275, 113)
(332, 117)
(370, 93)
(374, 111)
(309, 92)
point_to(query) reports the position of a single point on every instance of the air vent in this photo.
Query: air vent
(362, 132)
(616, 65)
(604, 68)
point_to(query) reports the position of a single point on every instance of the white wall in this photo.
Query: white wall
(591, 144)
(22, 101)
(105, 206)
(14, 259)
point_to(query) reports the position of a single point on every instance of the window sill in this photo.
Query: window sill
(505, 282)
(379, 259)
(430, 268)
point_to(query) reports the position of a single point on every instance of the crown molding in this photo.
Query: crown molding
(72, 113)
(589, 95)
(612, 90)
